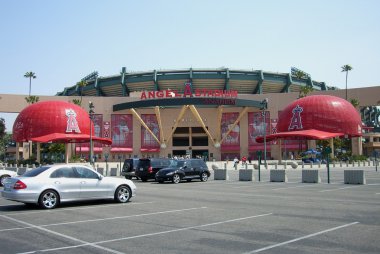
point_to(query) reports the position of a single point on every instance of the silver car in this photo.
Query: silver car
(4, 174)
(50, 185)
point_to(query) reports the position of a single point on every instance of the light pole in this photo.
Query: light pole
(91, 114)
(264, 106)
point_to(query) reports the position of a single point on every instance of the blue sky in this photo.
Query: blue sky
(63, 41)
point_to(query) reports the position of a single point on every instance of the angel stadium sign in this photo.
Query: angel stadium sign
(189, 96)
(188, 92)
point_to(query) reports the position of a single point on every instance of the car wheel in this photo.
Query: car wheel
(123, 194)
(49, 199)
(2, 179)
(176, 178)
(204, 177)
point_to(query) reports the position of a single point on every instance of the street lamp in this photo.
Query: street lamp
(264, 106)
(91, 114)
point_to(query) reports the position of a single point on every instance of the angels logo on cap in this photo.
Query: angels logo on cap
(72, 123)
(296, 122)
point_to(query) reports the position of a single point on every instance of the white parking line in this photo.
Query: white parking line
(257, 184)
(293, 187)
(301, 238)
(77, 208)
(62, 235)
(104, 219)
(348, 187)
(150, 234)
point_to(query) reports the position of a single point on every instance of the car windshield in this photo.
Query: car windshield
(36, 171)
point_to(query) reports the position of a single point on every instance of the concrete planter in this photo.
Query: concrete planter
(278, 175)
(220, 174)
(310, 176)
(354, 177)
(246, 175)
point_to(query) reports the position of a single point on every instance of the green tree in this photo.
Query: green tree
(2, 127)
(81, 84)
(4, 141)
(77, 102)
(31, 75)
(300, 74)
(346, 68)
(355, 102)
(305, 90)
(32, 99)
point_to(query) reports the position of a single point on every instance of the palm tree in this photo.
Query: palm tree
(81, 84)
(30, 75)
(77, 102)
(305, 90)
(32, 99)
(299, 74)
(346, 68)
(355, 102)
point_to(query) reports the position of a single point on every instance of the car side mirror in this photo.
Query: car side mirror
(100, 177)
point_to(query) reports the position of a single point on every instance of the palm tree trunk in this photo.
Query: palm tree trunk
(346, 83)
(30, 85)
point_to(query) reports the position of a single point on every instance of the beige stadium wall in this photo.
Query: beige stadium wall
(10, 103)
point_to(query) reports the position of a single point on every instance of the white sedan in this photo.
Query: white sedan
(50, 185)
(4, 174)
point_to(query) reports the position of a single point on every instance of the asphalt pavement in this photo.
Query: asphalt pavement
(208, 217)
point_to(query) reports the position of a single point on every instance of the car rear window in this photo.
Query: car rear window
(36, 171)
(144, 163)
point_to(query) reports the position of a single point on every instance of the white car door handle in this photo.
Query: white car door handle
(57, 182)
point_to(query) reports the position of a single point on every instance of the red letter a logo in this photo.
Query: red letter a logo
(72, 123)
(296, 122)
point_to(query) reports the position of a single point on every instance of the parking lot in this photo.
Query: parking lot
(207, 217)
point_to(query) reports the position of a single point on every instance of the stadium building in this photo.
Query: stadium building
(211, 113)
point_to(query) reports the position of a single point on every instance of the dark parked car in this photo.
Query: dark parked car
(129, 168)
(188, 169)
(147, 168)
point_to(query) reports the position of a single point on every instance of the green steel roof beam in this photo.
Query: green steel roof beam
(227, 80)
(77, 90)
(156, 87)
(99, 91)
(323, 86)
(289, 81)
(310, 82)
(124, 88)
(259, 87)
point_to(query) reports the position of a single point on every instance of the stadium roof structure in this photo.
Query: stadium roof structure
(242, 81)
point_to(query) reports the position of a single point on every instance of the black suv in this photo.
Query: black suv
(129, 168)
(147, 168)
(187, 169)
